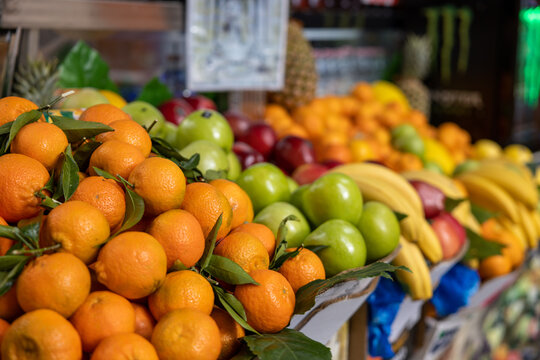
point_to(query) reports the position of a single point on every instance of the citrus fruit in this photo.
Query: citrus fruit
(21, 177)
(124, 347)
(41, 141)
(102, 314)
(269, 305)
(186, 334)
(114, 98)
(132, 264)
(486, 149)
(130, 132)
(242, 208)
(206, 203)
(261, 232)
(160, 193)
(5, 243)
(105, 195)
(12, 106)
(245, 250)
(302, 269)
(182, 289)
(78, 226)
(230, 333)
(116, 158)
(104, 113)
(181, 236)
(380, 230)
(493, 266)
(144, 322)
(60, 282)
(4, 326)
(9, 306)
(41, 334)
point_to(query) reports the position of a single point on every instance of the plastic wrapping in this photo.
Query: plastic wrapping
(457, 286)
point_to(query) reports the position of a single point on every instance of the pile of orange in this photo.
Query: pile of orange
(357, 127)
(136, 293)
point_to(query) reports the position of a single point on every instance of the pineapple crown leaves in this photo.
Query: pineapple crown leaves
(417, 55)
(36, 80)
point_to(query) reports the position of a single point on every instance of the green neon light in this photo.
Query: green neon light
(530, 55)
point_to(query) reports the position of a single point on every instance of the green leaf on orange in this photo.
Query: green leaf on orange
(281, 240)
(84, 152)
(480, 248)
(77, 130)
(210, 244)
(69, 174)
(21, 120)
(134, 210)
(233, 306)
(227, 270)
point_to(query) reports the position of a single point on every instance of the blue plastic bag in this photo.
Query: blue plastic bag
(455, 289)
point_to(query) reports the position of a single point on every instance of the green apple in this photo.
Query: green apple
(145, 114)
(333, 196)
(212, 156)
(265, 184)
(235, 168)
(168, 132)
(293, 185)
(410, 144)
(402, 131)
(273, 214)
(380, 228)
(433, 166)
(84, 98)
(205, 125)
(297, 196)
(345, 249)
(465, 166)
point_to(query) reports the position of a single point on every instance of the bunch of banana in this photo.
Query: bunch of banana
(379, 183)
(418, 281)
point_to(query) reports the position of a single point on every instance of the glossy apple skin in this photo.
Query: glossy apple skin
(346, 247)
(145, 114)
(239, 123)
(235, 168)
(212, 156)
(247, 155)
(273, 214)
(265, 184)
(297, 197)
(308, 173)
(175, 110)
(380, 228)
(199, 102)
(292, 151)
(205, 125)
(450, 233)
(433, 199)
(261, 137)
(333, 196)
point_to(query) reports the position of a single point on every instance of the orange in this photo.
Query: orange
(12, 106)
(494, 266)
(130, 132)
(513, 250)
(160, 183)
(124, 347)
(102, 314)
(60, 282)
(269, 305)
(41, 141)
(367, 124)
(361, 150)
(230, 333)
(275, 111)
(261, 232)
(182, 289)
(4, 326)
(302, 269)
(337, 152)
(244, 249)
(144, 322)
(41, 334)
(294, 130)
(363, 91)
(206, 203)
(104, 113)
(242, 208)
(115, 157)
(78, 226)
(105, 195)
(5, 243)
(334, 138)
(186, 334)
(21, 177)
(9, 306)
(132, 264)
(181, 236)
(409, 162)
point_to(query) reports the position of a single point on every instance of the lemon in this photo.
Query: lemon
(518, 153)
(486, 149)
(435, 152)
(114, 98)
(387, 93)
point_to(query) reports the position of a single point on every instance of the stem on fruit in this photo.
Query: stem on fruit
(36, 251)
(57, 99)
(151, 126)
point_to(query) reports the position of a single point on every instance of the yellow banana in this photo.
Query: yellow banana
(418, 280)
(535, 216)
(463, 214)
(440, 181)
(515, 229)
(527, 224)
(489, 195)
(429, 243)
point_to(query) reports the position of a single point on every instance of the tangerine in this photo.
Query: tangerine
(261, 232)
(125, 346)
(130, 132)
(12, 106)
(302, 269)
(230, 333)
(244, 249)
(115, 157)
(242, 208)
(144, 322)
(104, 113)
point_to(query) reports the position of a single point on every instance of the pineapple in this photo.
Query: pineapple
(36, 81)
(416, 66)
(300, 71)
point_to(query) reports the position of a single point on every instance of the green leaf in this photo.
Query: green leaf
(233, 306)
(188, 166)
(284, 257)
(155, 92)
(450, 204)
(210, 175)
(280, 240)
(31, 232)
(7, 262)
(69, 174)
(84, 152)
(7, 278)
(84, 67)
(305, 296)
(482, 215)
(286, 344)
(480, 248)
(134, 210)
(227, 270)
(6, 128)
(400, 216)
(22, 120)
(210, 244)
(105, 174)
(178, 265)
(77, 130)
(316, 248)
(14, 233)
(49, 203)
(244, 354)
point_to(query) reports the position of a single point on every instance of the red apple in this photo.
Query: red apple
(247, 155)
(292, 151)
(308, 173)
(330, 164)
(175, 110)
(239, 123)
(432, 198)
(199, 102)
(450, 233)
(261, 137)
